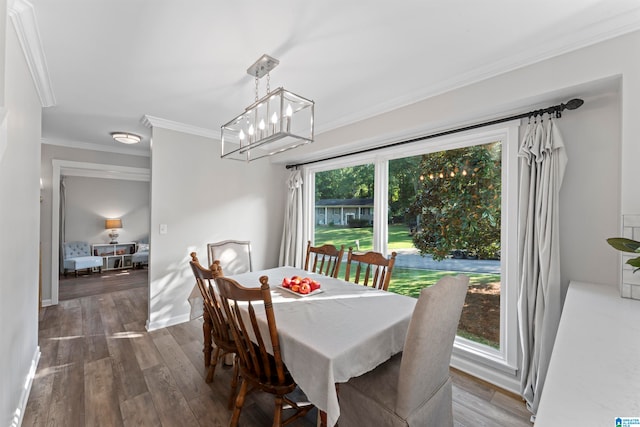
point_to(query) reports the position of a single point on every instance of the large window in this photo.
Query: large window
(445, 207)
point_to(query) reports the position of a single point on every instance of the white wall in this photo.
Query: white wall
(19, 214)
(590, 194)
(89, 201)
(202, 198)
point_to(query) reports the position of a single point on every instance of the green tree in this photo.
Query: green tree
(403, 185)
(354, 182)
(458, 202)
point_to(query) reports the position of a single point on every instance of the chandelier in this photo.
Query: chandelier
(277, 122)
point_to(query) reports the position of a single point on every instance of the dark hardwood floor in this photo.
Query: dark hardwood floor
(89, 284)
(100, 367)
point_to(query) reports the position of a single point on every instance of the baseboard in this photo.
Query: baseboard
(46, 303)
(493, 376)
(170, 321)
(18, 415)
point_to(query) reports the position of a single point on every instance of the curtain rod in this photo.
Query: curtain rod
(557, 109)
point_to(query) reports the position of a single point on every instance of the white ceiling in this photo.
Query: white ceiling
(112, 62)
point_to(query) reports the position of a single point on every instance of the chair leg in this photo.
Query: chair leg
(206, 330)
(239, 403)
(212, 367)
(277, 414)
(234, 383)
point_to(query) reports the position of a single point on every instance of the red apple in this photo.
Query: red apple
(286, 282)
(314, 285)
(305, 288)
(295, 287)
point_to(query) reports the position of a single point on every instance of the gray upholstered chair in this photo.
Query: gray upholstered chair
(234, 256)
(77, 256)
(413, 388)
(141, 256)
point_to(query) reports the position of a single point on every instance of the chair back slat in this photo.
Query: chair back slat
(325, 259)
(371, 268)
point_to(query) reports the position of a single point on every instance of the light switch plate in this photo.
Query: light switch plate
(163, 228)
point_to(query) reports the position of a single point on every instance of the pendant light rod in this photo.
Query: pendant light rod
(554, 109)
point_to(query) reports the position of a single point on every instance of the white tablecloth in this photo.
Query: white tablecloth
(338, 334)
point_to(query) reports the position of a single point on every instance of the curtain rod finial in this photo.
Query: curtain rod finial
(574, 103)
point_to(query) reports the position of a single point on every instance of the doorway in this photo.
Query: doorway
(63, 168)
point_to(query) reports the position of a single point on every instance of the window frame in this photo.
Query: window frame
(493, 365)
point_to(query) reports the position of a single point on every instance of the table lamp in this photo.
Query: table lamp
(113, 225)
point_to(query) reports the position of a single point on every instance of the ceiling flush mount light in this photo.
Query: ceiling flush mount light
(277, 122)
(125, 137)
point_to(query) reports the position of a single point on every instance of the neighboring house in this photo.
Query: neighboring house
(340, 211)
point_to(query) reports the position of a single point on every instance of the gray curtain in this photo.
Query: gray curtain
(542, 164)
(291, 246)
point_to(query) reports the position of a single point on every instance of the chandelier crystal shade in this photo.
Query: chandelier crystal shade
(277, 122)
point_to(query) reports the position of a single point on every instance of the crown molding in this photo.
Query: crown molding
(151, 121)
(97, 147)
(25, 23)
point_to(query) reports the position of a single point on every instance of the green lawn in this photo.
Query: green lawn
(398, 237)
(408, 281)
(405, 281)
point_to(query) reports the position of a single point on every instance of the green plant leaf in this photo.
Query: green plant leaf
(624, 245)
(634, 262)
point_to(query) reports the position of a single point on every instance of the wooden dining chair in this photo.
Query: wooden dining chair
(234, 255)
(371, 269)
(215, 327)
(259, 357)
(414, 387)
(325, 259)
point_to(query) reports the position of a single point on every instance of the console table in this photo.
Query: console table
(115, 256)
(593, 376)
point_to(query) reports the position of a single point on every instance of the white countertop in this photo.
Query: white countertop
(594, 375)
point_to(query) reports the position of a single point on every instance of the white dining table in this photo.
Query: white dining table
(330, 337)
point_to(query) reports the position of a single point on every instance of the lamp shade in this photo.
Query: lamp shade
(111, 224)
